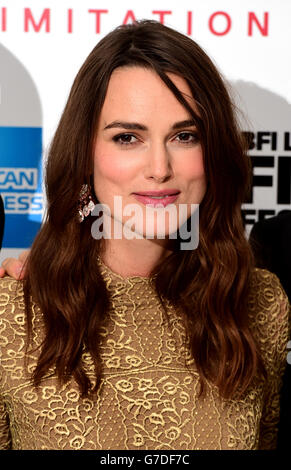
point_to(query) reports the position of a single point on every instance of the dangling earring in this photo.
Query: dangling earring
(85, 202)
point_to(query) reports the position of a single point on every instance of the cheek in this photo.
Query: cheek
(105, 168)
(193, 167)
(113, 167)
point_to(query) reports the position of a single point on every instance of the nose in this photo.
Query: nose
(158, 163)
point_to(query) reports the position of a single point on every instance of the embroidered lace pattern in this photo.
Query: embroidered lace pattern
(149, 393)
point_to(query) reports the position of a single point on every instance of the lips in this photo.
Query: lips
(163, 198)
(165, 192)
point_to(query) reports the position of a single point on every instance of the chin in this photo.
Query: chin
(151, 230)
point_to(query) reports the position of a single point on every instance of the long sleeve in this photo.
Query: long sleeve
(272, 328)
(7, 286)
(5, 437)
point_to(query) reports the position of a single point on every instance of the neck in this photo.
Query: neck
(135, 257)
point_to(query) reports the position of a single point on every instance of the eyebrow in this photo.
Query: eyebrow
(141, 127)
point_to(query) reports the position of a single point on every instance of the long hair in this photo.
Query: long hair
(209, 285)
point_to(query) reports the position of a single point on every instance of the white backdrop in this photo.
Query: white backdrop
(249, 41)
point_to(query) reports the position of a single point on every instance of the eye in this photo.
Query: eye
(125, 139)
(187, 137)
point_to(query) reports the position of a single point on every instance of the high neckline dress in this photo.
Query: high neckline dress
(148, 398)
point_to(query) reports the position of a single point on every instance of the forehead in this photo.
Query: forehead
(139, 92)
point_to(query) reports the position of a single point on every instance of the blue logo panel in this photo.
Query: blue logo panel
(21, 184)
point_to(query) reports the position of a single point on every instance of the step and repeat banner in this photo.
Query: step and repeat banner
(43, 43)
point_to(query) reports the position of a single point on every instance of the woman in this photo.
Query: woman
(121, 342)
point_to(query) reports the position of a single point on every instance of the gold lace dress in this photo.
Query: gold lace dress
(149, 394)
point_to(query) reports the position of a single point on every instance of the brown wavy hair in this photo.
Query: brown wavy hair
(209, 285)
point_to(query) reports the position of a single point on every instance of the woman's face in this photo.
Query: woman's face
(146, 141)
